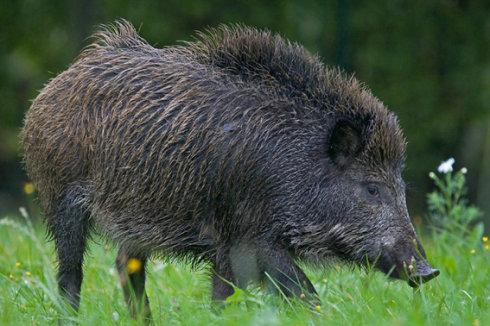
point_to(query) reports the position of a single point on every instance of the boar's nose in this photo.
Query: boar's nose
(424, 273)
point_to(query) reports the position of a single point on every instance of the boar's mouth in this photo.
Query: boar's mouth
(424, 273)
(415, 270)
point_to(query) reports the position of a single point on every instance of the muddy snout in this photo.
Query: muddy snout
(410, 264)
(423, 273)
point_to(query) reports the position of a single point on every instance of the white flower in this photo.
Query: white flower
(115, 316)
(23, 212)
(159, 266)
(446, 166)
(464, 170)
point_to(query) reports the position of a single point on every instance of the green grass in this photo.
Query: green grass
(180, 295)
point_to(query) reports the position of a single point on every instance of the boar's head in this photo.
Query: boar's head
(353, 204)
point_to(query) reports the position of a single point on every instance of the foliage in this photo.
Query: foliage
(448, 206)
(427, 60)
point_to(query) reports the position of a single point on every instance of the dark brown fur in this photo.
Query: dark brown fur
(238, 146)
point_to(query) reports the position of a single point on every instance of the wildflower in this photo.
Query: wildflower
(11, 276)
(29, 188)
(23, 212)
(472, 251)
(318, 308)
(115, 316)
(484, 239)
(446, 166)
(486, 246)
(464, 170)
(133, 266)
(432, 175)
(302, 296)
(17, 264)
(28, 273)
(159, 266)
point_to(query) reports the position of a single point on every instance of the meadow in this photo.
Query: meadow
(180, 295)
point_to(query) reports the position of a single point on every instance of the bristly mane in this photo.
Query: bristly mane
(119, 35)
(263, 56)
(269, 60)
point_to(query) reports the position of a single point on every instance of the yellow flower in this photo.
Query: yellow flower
(133, 266)
(29, 188)
(487, 246)
(17, 264)
(28, 274)
(11, 276)
(318, 307)
(472, 251)
(485, 239)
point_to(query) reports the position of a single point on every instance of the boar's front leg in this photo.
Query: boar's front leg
(131, 269)
(283, 272)
(248, 262)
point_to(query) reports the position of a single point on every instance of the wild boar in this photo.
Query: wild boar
(240, 149)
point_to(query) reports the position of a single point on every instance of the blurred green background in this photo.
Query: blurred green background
(429, 61)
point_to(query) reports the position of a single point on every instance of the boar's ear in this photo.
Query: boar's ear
(347, 141)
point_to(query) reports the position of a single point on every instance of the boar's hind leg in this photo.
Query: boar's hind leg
(131, 269)
(285, 275)
(69, 226)
(222, 277)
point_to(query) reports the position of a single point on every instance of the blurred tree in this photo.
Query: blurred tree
(429, 61)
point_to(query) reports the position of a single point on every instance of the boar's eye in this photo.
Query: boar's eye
(372, 189)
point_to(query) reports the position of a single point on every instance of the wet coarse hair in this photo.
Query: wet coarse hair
(188, 150)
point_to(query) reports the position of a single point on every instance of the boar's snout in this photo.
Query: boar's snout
(407, 261)
(424, 273)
